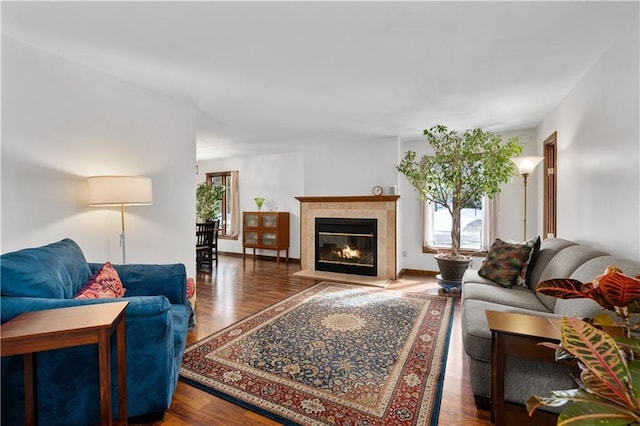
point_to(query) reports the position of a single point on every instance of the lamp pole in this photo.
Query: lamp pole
(122, 241)
(526, 166)
(525, 177)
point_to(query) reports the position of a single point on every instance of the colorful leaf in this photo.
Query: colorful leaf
(592, 412)
(594, 384)
(563, 288)
(585, 408)
(600, 354)
(609, 392)
(630, 343)
(557, 399)
(594, 293)
(634, 367)
(603, 319)
(619, 289)
(611, 290)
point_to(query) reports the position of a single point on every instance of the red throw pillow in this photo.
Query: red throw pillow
(103, 284)
(191, 287)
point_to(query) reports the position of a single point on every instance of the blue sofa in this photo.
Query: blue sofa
(68, 390)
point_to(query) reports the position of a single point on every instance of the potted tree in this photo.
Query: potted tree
(208, 200)
(464, 167)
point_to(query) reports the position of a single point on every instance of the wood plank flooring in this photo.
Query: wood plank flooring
(236, 290)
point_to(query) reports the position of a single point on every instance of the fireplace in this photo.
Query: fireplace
(381, 208)
(346, 245)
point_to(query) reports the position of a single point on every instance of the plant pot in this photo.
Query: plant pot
(452, 269)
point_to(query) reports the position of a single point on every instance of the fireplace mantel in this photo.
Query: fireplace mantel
(348, 198)
(380, 207)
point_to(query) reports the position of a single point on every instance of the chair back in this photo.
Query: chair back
(205, 234)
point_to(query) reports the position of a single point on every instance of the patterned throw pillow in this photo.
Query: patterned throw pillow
(504, 262)
(191, 288)
(103, 284)
(525, 273)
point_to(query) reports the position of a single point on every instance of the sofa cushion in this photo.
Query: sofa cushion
(548, 249)
(476, 287)
(476, 335)
(516, 297)
(525, 273)
(597, 266)
(105, 283)
(57, 270)
(471, 276)
(587, 308)
(504, 262)
(580, 308)
(563, 264)
(520, 385)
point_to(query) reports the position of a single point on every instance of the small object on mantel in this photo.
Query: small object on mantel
(377, 190)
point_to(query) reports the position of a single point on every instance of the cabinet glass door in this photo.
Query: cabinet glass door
(251, 220)
(269, 238)
(251, 238)
(269, 220)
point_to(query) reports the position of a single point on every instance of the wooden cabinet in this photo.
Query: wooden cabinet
(266, 231)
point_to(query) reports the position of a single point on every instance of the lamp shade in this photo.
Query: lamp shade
(526, 165)
(119, 191)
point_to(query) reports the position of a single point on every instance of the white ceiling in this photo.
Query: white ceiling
(271, 75)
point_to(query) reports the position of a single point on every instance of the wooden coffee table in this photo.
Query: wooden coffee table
(50, 329)
(518, 335)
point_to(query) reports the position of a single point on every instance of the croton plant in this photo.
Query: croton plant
(608, 390)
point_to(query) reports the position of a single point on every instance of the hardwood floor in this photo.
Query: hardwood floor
(235, 290)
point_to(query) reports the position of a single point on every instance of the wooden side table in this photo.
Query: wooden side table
(518, 335)
(50, 329)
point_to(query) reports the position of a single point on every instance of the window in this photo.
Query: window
(229, 215)
(476, 226)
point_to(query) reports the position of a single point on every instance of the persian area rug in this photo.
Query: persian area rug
(332, 354)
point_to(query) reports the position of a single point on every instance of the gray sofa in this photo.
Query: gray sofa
(557, 258)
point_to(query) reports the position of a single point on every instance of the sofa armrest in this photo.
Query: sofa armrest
(140, 306)
(152, 280)
(151, 363)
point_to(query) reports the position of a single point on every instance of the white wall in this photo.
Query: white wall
(62, 122)
(277, 178)
(336, 168)
(599, 153)
(350, 167)
(511, 215)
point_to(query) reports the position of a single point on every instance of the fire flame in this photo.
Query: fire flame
(348, 252)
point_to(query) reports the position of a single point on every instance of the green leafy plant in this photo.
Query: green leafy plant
(608, 390)
(464, 167)
(208, 201)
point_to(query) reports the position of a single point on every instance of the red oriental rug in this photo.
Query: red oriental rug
(332, 354)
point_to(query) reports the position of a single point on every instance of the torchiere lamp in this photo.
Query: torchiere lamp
(526, 166)
(120, 191)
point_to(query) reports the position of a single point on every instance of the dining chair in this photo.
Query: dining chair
(206, 244)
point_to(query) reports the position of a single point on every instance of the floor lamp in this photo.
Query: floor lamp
(120, 191)
(526, 166)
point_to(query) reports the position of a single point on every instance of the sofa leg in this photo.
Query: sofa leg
(482, 402)
(147, 418)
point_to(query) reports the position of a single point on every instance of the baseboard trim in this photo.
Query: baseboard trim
(417, 273)
(249, 256)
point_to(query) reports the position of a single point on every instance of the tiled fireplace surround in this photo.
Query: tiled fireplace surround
(383, 208)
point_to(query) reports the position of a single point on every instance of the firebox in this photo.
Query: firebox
(346, 245)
